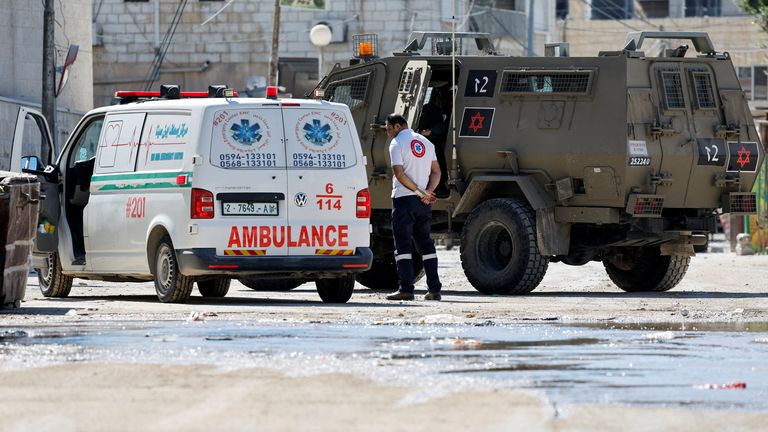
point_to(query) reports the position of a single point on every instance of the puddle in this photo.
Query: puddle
(648, 364)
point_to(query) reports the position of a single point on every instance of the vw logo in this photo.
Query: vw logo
(300, 199)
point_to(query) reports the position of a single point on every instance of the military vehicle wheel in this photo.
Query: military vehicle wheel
(214, 287)
(266, 284)
(52, 282)
(382, 276)
(498, 248)
(171, 286)
(337, 290)
(645, 269)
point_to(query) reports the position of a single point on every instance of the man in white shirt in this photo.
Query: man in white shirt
(416, 174)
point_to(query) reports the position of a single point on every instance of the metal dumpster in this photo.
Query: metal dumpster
(19, 198)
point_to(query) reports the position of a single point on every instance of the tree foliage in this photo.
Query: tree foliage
(759, 10)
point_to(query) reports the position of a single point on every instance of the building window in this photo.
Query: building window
(754, 82)
(653, 8)
(612, 9)
(501, 4)
(700, 8)
(561, 9)
(761, 83)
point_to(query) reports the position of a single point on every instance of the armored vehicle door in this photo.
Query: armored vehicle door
(674, 132)
(411, 90)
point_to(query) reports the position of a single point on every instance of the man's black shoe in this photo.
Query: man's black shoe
(79, 260)
(433, 296)
(400, 295)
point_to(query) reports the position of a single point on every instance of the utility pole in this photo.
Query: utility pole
(49, 71)
(275, 45)
(530, 28)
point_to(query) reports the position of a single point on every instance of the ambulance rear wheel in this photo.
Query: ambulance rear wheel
(336, 290)
(382, 276)
(170, 284)
(265, 284)
(645, 269)
(499, 252)
(214, 287)
(52, 282)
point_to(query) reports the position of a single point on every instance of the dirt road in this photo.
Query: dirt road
(717, 287)
(82, 395)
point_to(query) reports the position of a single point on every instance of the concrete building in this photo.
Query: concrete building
(593, 25)
(21, 64)
(216, 44)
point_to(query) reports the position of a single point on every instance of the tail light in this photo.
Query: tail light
(363, 204)
(202, 204)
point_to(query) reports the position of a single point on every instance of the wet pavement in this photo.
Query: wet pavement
(708, 365)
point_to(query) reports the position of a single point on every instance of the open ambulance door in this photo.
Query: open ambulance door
(32, 152)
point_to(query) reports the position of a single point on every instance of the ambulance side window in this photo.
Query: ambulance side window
(119, 142)
(87, 143)
(164, 141)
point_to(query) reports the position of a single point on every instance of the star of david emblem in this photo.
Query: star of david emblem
(246, 134)
(743, 159)
(477, 122)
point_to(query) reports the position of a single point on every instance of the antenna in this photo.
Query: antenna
(454, 173)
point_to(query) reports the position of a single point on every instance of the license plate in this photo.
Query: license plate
(249, 208)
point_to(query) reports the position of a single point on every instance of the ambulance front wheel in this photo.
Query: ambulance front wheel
(170, 284)
(336, 290)
(52, 282)
(214, 287)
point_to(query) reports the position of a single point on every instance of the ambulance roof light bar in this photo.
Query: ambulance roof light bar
(271, 92)
(174, 92)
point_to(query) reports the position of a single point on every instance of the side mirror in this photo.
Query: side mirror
(32, 165)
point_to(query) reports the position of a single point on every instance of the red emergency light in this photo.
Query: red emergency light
(271, 92)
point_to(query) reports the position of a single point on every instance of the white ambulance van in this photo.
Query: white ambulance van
(201, 190)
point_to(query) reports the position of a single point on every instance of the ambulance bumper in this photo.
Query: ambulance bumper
(204, 261)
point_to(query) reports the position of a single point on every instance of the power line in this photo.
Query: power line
(154, 70)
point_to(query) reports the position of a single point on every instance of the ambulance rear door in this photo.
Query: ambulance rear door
(325, 174)
(248, 182)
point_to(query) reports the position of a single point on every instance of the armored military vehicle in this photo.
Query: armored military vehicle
(621, 158)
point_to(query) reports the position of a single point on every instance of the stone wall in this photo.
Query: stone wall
(21, 64)
(237, 42)
(735, 33)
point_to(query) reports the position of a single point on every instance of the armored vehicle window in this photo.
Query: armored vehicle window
(349, 91)
(546, 82)
(703, 87)
(673, 90)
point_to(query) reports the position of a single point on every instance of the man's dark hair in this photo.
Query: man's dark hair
(397, 119)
